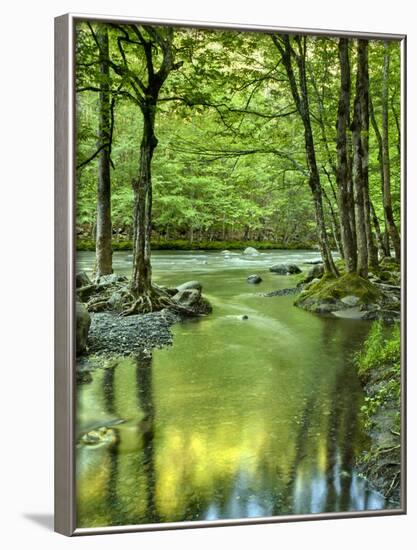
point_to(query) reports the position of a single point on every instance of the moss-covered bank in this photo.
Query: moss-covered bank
(327, 294)
(379, 367)
(89, 244)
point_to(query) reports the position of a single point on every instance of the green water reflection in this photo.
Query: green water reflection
(237, 419)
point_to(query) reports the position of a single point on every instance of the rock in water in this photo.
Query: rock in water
(196, 285)
(244, 317)
(82, 279)
(285, 269)
(187, 297)
(250, 251)
(83, 322)
(254, 279)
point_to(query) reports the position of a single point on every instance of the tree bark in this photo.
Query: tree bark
(379, 235)
(385, 248)
(392, 228)
(359, 163)
(363, 67)
(104, 227)
(343, 168)
(300, 95)
(159, 42)
(142, 214)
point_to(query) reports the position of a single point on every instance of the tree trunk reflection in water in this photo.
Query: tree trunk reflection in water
(108, 389)
(115, 514)
(146, 428)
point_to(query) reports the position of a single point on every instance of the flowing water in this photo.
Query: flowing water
(238, 419)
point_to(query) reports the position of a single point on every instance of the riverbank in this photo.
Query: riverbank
(184, 245)
(379, 367)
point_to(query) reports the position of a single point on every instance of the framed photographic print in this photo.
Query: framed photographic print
(230, 312)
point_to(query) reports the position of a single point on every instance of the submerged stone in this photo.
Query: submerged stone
(254, 279)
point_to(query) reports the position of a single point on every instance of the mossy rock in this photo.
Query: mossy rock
(330, 291)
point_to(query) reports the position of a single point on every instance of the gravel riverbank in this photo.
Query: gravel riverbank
(111, 334)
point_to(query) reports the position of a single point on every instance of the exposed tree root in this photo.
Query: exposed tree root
(119, 297)
(154, 300)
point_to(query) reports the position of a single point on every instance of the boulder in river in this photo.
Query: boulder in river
(316, 272)
(192, 300)
(250, 251)
(187, 297)
(285, 269)
(82, 279)
(190, 285)
(225, 252)
(254, 279)
(83, 322)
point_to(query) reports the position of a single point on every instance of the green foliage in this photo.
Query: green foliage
(230, 163)
(380, 350)
(162, 244)
(380, 363)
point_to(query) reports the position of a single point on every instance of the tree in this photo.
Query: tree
(343, 161)
(156, 46)
(358, 128)
(300, 95)
(104, 225)
(389, 218)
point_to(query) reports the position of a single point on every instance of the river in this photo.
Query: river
(239, 418)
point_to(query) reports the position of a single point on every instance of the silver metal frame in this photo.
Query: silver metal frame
(65, 502)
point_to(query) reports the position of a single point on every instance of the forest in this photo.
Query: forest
(235, 157)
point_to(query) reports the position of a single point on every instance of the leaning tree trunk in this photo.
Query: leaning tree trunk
(343, 168)
(358, 166)
(389, 217)
(142, 213)
(104, 227)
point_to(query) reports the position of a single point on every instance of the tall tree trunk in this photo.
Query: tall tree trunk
(358, 163)
(142, 213)
(104, 228)
(392, 228)
(385, 236)
(300, 95)
(343, 168)
(335, 225)
(379, 235)
(364, 113)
